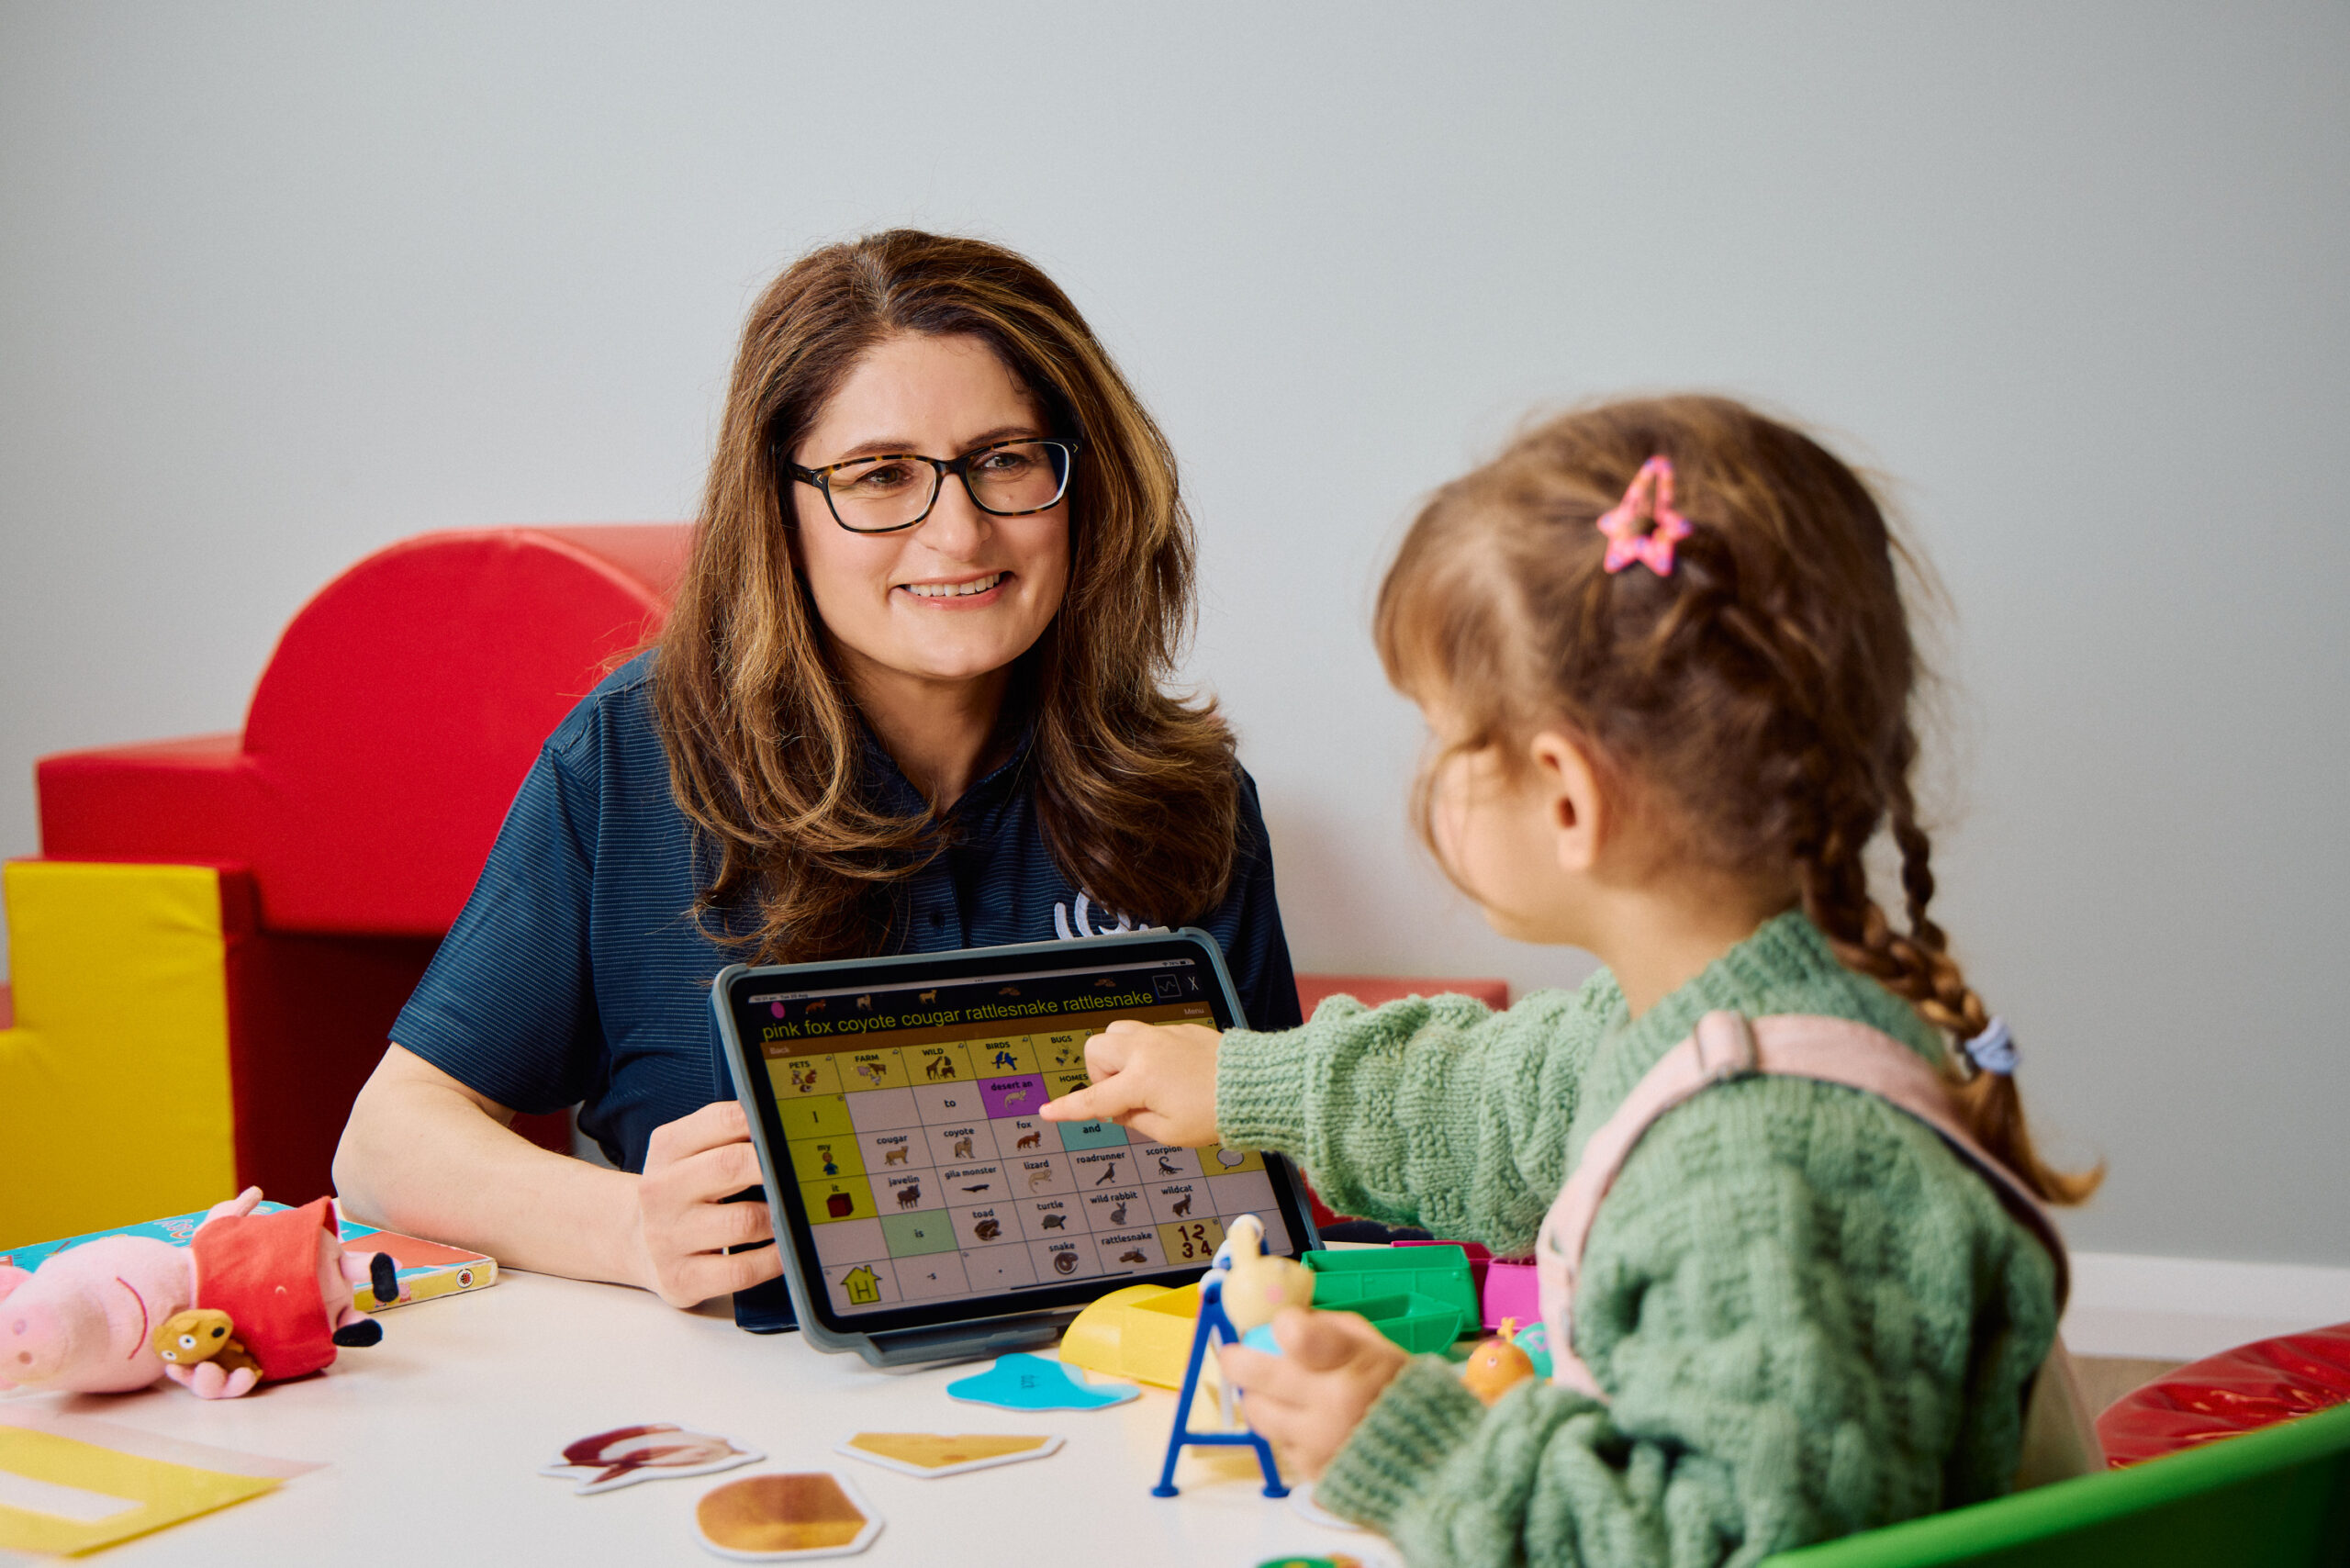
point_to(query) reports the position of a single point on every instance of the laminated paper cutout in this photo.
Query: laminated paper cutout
(773, 1518)
(70, 1483)
(659, 1451)
(935, 1453)
(1031, 1383)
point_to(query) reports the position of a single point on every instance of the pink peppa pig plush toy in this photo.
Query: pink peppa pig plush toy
(85, 1320)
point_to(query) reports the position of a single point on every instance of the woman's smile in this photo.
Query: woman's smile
(959, 593)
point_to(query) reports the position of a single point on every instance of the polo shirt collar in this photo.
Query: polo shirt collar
(890, 790)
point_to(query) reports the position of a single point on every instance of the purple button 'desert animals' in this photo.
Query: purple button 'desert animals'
(1017, 1096)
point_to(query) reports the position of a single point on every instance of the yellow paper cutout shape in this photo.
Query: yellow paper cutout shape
(159, 1494)
(938, 1453)
(770, 1518)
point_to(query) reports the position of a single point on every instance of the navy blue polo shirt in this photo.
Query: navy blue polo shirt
(575, 974)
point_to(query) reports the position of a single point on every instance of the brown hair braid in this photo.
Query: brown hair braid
(1136, 789)
(1755, 702)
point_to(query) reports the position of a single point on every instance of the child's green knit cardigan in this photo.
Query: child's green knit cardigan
(1812, 1318)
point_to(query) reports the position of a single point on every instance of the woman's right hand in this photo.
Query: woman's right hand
(683, 1225)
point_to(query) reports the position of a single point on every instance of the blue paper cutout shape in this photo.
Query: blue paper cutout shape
(1031, 1383)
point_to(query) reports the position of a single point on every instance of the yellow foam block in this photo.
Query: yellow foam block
(113, 1082)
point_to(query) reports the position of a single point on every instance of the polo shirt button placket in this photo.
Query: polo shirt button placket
(938, 916)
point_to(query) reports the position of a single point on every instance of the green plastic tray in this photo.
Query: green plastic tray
(1420, 1297)
(1418, 1324)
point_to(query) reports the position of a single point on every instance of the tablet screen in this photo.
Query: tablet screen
(926, 1178)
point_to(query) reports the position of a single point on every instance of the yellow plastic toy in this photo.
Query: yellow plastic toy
(1498, 1365)
(1142, 1333)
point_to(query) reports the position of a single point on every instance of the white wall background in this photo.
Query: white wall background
(279, 284)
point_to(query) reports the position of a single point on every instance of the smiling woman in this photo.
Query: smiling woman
(914, 695)
(954, 630)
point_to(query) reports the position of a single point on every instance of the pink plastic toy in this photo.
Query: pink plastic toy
(1511, 1293)
(1505, 1287)
(86, 1320)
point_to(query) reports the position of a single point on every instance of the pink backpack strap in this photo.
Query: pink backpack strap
(1726, 1046)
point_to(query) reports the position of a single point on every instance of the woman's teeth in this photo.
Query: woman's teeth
(954, 590)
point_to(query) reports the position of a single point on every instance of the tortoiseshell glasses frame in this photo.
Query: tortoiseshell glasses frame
(871, 489)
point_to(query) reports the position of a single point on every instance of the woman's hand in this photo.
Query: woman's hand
(682, 1226)
(1158, 1079)
(427, 1154)
(1308, 1400)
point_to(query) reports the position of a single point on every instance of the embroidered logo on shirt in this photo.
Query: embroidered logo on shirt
(1094, 920)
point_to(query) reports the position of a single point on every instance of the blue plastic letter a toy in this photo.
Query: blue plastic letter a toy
(1216, 1325)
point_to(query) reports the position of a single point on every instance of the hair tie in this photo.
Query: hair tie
(1993, 1050)
(1647, 500)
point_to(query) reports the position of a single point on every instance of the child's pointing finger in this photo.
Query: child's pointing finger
(1109, 1102)
(1160, 1080)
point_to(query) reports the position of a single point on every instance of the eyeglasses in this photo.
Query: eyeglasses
(897, 490)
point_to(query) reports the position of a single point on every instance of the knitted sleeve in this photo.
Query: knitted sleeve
(1434, 1111)
(1812, 1321)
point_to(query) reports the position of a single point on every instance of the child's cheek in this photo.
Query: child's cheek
(1449, 816)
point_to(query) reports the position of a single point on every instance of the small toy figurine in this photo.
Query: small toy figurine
(1243, 1240)
(1498, 1365)
(206, 1333)
(1258, 1286)
(85, 1320)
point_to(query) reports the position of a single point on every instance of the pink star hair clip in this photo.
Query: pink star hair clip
(1643, 526)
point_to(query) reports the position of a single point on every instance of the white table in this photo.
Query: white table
(433, 1439)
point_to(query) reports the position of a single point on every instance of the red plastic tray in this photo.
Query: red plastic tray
(2235, 1392)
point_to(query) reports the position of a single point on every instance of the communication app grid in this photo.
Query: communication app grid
(910, 1118)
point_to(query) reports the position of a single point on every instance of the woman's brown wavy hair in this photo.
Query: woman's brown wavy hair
(1137, 790)
(1757, 699)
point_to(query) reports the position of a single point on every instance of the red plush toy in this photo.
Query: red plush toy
(90, 1318)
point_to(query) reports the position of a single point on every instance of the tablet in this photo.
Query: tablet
(922, 1209)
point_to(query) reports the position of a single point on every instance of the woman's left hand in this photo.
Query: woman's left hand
(1309, 1399)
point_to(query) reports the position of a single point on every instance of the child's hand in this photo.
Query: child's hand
(1309, 1399)
(1158, 1079)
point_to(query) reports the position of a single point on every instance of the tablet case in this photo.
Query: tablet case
(782, 1303)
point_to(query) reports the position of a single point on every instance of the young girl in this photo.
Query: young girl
(1662, 650)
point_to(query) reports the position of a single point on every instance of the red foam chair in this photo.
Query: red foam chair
(386, 737)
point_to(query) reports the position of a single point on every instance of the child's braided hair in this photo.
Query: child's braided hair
(1756, 699)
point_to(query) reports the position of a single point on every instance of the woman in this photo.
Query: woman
(912, 698)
